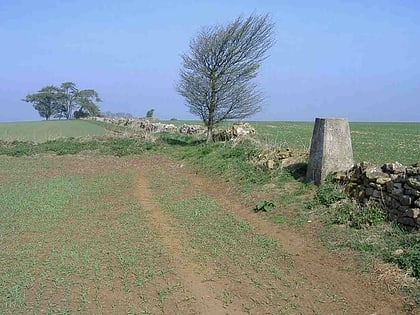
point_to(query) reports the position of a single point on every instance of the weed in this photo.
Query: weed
(226, 297)
(343, 213)
(327, 194)
(264, 205)
(161, 296)
(357, 216)
(370, 215)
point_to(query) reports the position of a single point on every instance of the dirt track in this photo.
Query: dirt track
(327, 282)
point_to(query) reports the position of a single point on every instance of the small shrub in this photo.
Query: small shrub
(17, 148)
(178, 139)
(66, 146)
(264, 205)
(327, 194)
(370, 215)
(127, 146)
(357, 216)
(343, 213)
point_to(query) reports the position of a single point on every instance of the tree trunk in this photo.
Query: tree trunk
(212, 109)
(209, 133)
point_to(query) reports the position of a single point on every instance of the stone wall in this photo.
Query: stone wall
(392, 186)
(238, 129)
(143, 124)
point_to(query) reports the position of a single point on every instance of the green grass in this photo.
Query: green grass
(41, 131)
(221, 159)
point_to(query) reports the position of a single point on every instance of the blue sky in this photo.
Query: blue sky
(354, 59)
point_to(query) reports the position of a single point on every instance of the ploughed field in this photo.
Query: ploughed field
(152, 234)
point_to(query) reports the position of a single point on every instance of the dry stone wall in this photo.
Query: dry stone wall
(392, 186)
(238, 129)
(143, 124)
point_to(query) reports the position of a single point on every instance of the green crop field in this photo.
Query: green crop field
(40, 131)
(372, 142)
(386, 142)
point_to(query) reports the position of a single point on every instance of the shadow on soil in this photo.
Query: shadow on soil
(183, 142)
(298, 171)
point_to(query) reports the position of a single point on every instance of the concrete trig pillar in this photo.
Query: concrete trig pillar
(331, 149)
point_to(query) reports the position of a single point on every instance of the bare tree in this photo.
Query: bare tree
(216, 77)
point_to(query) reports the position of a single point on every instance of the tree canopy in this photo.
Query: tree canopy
(216, 75)
(47, 101)
(65, 101)
(69, 103)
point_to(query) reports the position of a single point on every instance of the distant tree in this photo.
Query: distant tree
(69, 103)
(216, 77)
(70, 99)
(46, 101)
(65, 101)
(80, 114)
(59, 115)
(149, 113)
(87, 99)
(82, 101)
